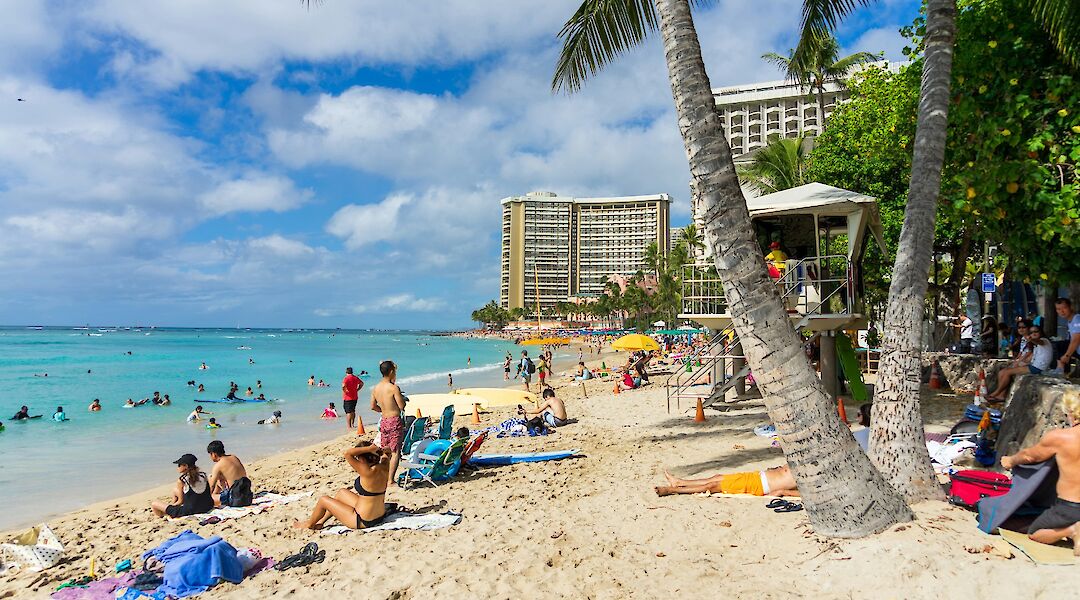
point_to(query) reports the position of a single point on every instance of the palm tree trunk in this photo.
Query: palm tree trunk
(821, 106)
(843, 493)
(897, 445)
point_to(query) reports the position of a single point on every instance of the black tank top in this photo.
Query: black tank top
(197, 498)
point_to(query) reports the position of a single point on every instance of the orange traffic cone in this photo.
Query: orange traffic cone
(699, 416)
(360, 426)
(475, 414)
(418, 415)
(843, 411)
(935, 383)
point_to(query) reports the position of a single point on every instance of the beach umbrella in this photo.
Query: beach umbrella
(635, 341)
(545, 341)
(659, 324)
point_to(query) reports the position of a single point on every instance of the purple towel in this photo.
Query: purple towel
(103, 589)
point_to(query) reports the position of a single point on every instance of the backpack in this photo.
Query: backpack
(530, 367)
(240, 494)
(966, 488)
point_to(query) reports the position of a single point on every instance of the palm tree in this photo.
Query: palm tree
(836, 479)
(693, 239)
(896, 440)
(818, 67)
(780, 165)
(654, 258)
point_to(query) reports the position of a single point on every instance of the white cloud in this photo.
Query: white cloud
(281, 246)
(253, 193)
(363, 224)
(388, 304)
(882, 39)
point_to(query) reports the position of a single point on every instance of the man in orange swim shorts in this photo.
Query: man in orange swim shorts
(775, 481)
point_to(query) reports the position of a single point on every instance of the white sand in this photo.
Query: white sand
(590, 527)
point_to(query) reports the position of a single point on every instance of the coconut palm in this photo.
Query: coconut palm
(896, 440)
(836, 479)
(818, 67)
(693, 239)
(780, 165)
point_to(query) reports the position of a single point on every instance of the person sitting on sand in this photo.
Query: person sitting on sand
(553, 410)
(213, 424)
(1062, 520)
(1042, 353)
(196, 415)
(59, 416)
(330, 412)
(191, 496)
(774, 481)
(229, 483)
(366, 506)
(274, 419)
(583, 373)
(95, 406)
(629, 382)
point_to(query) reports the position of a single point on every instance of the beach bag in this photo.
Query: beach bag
(530, 366)
(240, 494)
(36, 549)
(967, 487)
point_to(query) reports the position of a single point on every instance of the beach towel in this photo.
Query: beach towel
(1032, 492)
(263, 501)
(1042, 554)
(36, 549)
(426, 522)
(102, 589)
(194, 566)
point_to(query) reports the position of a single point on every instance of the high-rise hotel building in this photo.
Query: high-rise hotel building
(560, 247)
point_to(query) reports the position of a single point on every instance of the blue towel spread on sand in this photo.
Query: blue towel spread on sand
(194, 565)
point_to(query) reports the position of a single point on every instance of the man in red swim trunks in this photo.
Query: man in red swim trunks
(387, 400)
(350, 392)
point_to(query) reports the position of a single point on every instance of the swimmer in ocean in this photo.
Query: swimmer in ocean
(249, 392)
(202, 367)
(60, 416)
(196, 415)
(213, 424)
(311, 380)
(202, 388)
(95, 406)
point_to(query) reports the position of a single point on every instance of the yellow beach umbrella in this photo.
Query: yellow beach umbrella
(545, 341)
(635, 341)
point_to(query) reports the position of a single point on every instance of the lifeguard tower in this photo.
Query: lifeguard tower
(824, 231)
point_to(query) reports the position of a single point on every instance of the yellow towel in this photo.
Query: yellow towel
(1042, 554)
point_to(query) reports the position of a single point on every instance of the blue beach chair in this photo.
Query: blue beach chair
(438, 461)
(446, 423)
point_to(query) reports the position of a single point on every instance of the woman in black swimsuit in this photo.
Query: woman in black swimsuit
(364, 507)
(192, 493)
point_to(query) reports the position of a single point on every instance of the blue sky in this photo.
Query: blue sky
(252, 162)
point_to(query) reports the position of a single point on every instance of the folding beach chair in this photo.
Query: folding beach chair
(414, 434)
(471, 448)
(446, 423)
(430, 467)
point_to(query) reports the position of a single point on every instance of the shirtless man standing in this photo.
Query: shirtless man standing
(229, 482)
(1062, 520)
(387, 400)
(775, 481)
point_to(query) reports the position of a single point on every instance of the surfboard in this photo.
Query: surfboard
(227, 401)
(482, 460)
(432, 405)
(498, 396)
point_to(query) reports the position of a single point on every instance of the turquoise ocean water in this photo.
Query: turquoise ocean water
(47, 467)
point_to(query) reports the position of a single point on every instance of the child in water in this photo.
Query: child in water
(330, 412)
(273, 420)
(59, 416)
(213, 424)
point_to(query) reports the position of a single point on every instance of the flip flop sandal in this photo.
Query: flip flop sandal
(308, 555)
(791, 507)
(777, 503)
(210, 521)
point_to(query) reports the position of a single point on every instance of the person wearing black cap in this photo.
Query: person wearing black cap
(191, 496)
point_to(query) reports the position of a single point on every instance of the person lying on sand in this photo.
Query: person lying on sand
(1062, 520)
(229, 481)
(774, 481)
(364, 507)
(191, 496)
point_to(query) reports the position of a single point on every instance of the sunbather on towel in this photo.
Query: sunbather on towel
(775, 481)
(364, 507)
(1062, 520)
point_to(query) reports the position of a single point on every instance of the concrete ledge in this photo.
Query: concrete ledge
(962, 370)
(1033, 408)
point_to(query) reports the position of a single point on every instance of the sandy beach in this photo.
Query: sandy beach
(588, 527)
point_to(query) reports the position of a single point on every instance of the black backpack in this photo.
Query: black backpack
(240, 494)
(529, 366)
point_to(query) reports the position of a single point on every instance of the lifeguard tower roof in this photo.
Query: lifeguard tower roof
(824, 200)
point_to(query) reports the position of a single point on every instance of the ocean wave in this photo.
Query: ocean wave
(455, 372)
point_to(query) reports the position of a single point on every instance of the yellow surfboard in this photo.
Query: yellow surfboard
(432, 405)
(498, 396)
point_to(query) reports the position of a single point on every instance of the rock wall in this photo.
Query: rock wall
(1033, 408)
(961, 371)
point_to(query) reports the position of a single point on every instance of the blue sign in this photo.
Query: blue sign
(988, 284)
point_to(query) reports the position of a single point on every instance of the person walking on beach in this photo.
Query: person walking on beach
(450, 380)
(350, 393)
(229, 482)
(191, 496)
(386, 399)
(525, 369)
(1062, 520)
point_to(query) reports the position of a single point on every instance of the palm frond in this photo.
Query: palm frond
(819, 18)
(1061, 19)
(844, 66)
(598, 32)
